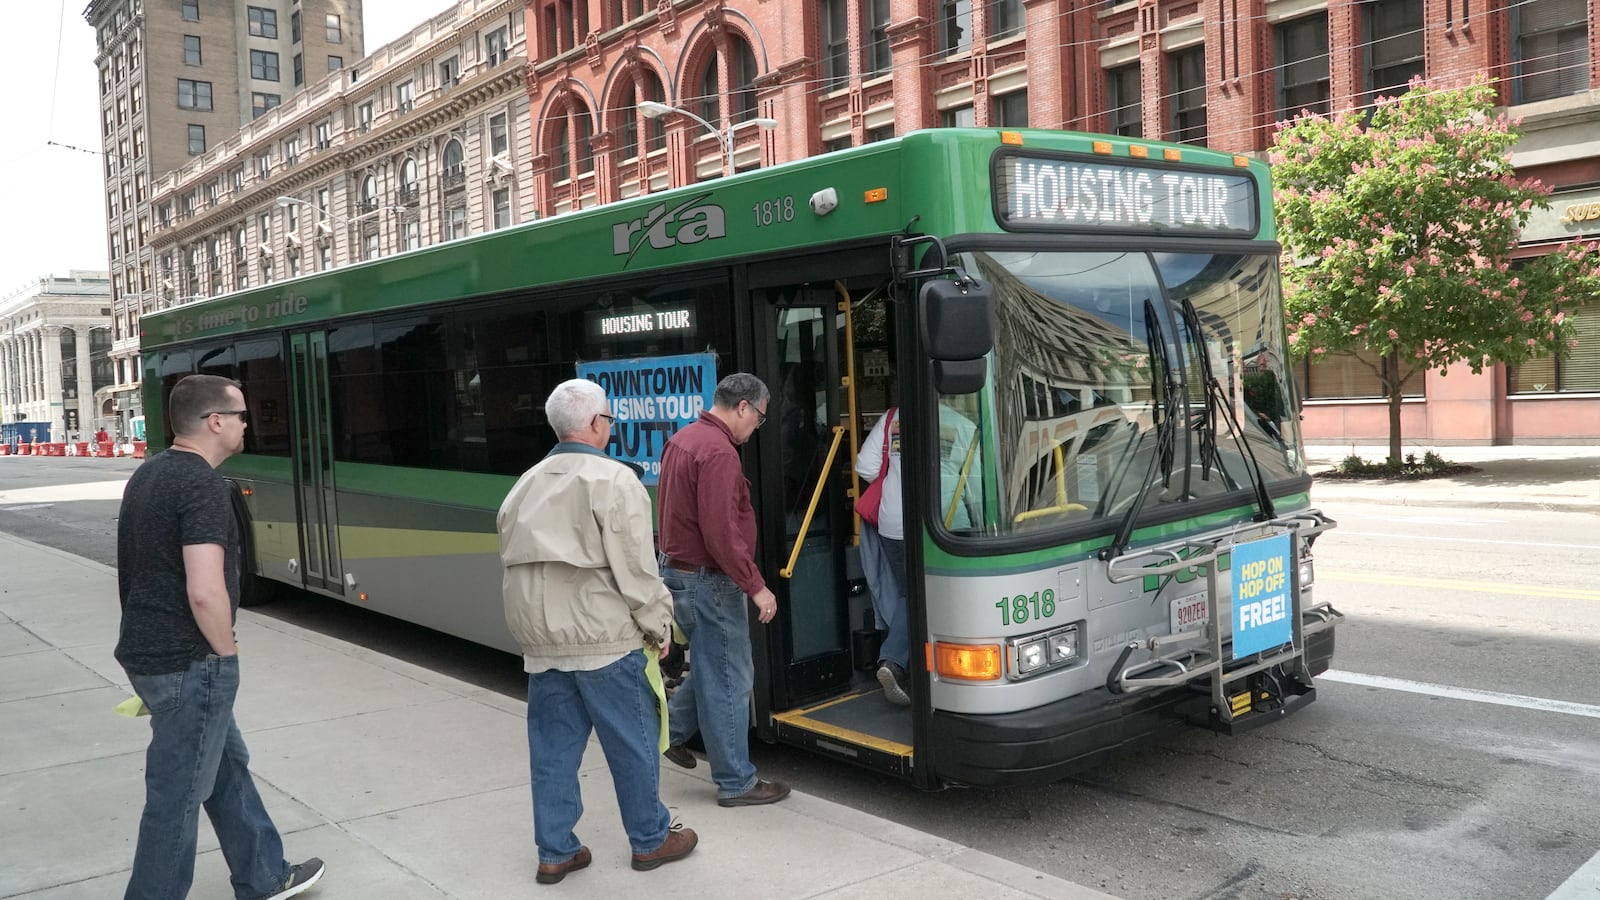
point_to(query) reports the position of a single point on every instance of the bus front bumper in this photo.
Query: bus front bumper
(1046, 744)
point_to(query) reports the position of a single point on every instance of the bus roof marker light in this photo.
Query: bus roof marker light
(1172, 154)
(1240, 160)
(1102, 147)
(876, 195)
(1014, 138)
(1138, 151)
(968, 662)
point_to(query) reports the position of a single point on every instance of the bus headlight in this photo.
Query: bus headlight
(1308, 573)
(1035, 653)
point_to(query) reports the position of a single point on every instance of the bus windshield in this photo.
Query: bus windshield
(1103, 360)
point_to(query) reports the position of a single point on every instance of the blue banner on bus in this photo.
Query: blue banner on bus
(651, 399)
(1261, 601)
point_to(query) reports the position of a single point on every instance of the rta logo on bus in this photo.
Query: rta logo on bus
(686, 223)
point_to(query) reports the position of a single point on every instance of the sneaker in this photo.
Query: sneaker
(680, 754)
(894, 680)
(550, 873)
(763, 793)
(680, 842)
(301, 878)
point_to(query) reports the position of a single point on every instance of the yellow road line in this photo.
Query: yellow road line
(1480, 587)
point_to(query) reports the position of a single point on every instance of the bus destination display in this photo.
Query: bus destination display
(1066, 194)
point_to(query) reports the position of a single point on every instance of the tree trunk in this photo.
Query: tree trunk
(1391, 385)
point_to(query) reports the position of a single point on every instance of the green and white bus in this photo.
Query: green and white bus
(1108, 520)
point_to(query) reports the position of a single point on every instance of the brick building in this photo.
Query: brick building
(1219, 72)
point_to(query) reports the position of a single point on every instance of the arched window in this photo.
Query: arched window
(645, 87)
(743, 81)
(711, 92)
(571, 131)
(560, 149)
(369, 193)
(452, 157)
(408, 175)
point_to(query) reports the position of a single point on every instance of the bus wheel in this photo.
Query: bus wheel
(256, 591)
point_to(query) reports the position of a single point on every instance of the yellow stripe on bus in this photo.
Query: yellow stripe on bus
(1480, 587)
(800, 718)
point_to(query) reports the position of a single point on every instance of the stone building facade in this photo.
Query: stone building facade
(55, 353)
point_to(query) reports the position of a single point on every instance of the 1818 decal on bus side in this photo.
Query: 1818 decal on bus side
(1019, 609)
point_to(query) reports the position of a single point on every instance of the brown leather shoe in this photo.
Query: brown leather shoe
(550, 873)
(764, 792)
(680, 755)
(680, 842)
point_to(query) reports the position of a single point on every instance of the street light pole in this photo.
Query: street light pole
(652, 110)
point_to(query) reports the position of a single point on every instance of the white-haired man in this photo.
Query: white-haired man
(584, 598)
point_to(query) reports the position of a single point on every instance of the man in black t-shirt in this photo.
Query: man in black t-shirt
(178, 580)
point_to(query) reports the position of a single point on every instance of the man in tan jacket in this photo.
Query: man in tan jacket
(584, 599)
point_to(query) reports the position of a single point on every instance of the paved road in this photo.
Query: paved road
(1453, 754)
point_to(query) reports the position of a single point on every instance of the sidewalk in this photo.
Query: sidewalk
(407, 783)
(1552, 477)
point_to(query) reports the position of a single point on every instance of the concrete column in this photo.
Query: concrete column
(50, 383)
(85, 379)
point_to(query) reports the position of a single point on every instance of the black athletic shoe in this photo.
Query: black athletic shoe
(301, 878)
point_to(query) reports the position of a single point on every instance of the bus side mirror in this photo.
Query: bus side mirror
(956, 333)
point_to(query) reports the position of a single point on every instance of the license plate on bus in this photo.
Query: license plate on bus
(1189, 613)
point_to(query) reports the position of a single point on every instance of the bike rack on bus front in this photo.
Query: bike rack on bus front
(1188, 656)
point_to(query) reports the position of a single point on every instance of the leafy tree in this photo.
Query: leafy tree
(1398, 228)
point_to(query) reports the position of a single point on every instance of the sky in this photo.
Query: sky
(52, 198)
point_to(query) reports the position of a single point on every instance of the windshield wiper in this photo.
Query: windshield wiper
(1217, 402)
(1164, 418)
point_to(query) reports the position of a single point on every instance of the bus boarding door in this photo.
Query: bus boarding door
(320, 566)
(803, 375)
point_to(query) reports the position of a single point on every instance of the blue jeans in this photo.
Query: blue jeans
(883, 561)
(617, 703)
(197, 756)
(715, 698)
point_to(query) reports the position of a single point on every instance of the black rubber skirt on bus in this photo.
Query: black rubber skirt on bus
(1046, 744)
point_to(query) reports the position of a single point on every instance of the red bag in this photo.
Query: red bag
(867, 504)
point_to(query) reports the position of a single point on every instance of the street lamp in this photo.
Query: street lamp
(652, 110)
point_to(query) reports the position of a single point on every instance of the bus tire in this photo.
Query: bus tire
(255, 590)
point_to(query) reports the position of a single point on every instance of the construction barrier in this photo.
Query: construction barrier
(138, 449)
(83, 448)
(105, 448)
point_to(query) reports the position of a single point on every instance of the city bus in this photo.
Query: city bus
(1107, 507)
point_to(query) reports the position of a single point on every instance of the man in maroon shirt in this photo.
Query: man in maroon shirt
(708, 533)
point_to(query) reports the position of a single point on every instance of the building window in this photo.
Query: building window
(324, 257)
(955, 26)
(299, 69)
(499, 142)
(1552, 48)
(1303, 66)
(294, 26)
(1187, 76)
(197, 140)
(495, 46)
(881, 133)
(291, 150)
(263, 22)
(1578, 372)
(449, 73)
(455, 174)
(745, 73)
(502, 207)
(1350, 376)
(455, 223)
(876, 59)
(1394, 46)
(408, 181)
(260, 103)
(323, 134)
(711, 91)
(194, 94)
(364, 117)
(958, 117)
(335, 33)
(1010, 110)
(264, 65)
(264, 167)
(191, 10)
(335, 63)
(583, 149)
(404, 96)
(266, 270)
(135, 98)
(410, 234)
(369, 194)
(1123, 98)
(191, 50)
(1006, 18)
(370, 248)
(835, 44)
